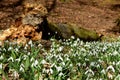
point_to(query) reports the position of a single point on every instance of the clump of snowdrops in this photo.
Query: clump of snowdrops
(70, 59)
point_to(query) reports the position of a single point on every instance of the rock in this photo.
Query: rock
(66, 30)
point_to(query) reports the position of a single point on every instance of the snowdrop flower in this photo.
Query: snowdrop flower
(61, 74)
(43, 61)
(60, 48)
(44, 70)
(67, 59)
(16, 49)
(92, 64)
(59, 69)
(28, 53)
(71, 65)
(0, 65)
(25, 57)
(63, 63)
(68, 79)
(31, 59)
(113, 63)
(51, 71)
(60, 58)
(115, 53)
(4, 49)
(110, 68)
(72, 37)
(75, 44)
(26, 46)
(30, 42)
(103, 71)
(15, 75)
(118, 63)
(84, 64)
(11, 59)
(83, 49)
(40, 45)
(10, 48)
(1, 57)
(89, 72)
(98, 66)
(35, 63)
(17, 59)
(48, 33)
(21, 69)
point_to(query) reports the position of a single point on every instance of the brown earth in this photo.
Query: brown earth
(95, 15)
(91, 14)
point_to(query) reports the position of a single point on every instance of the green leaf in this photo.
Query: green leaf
(27, 63)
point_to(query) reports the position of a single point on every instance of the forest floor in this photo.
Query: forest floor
(91, 14)
(95, 15)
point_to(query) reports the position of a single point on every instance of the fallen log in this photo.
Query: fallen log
(66, 30)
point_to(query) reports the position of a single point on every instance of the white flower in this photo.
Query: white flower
(110, 68)
(115, 53)
(43, 62)
(59, 69)
(60, 58)
(35, 63)
(44, 70)
(47, 71)
(51, 71)
(4, 49)
(16, 49)
(118, 63)
(17, 59)
(25, 57)
(21, 69)
(15, 75)
(48, 33)
(28, 53)
(68, 79)
(1, 57)
(31, 59)
(30, 42)
(60, 48)
(26, 46)
(63, 63)
(84, 64)
(10, 48)
(39, 45)
(89, 72)
(11, 58)
(0, 65)
(61, 74)
(75, 44)
(71, 65)
(103, 71)
(67, 59)
(92, 63)
(72, 37)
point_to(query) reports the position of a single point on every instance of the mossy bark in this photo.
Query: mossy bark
(67, 30)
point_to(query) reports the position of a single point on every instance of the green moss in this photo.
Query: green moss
(67, 30)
